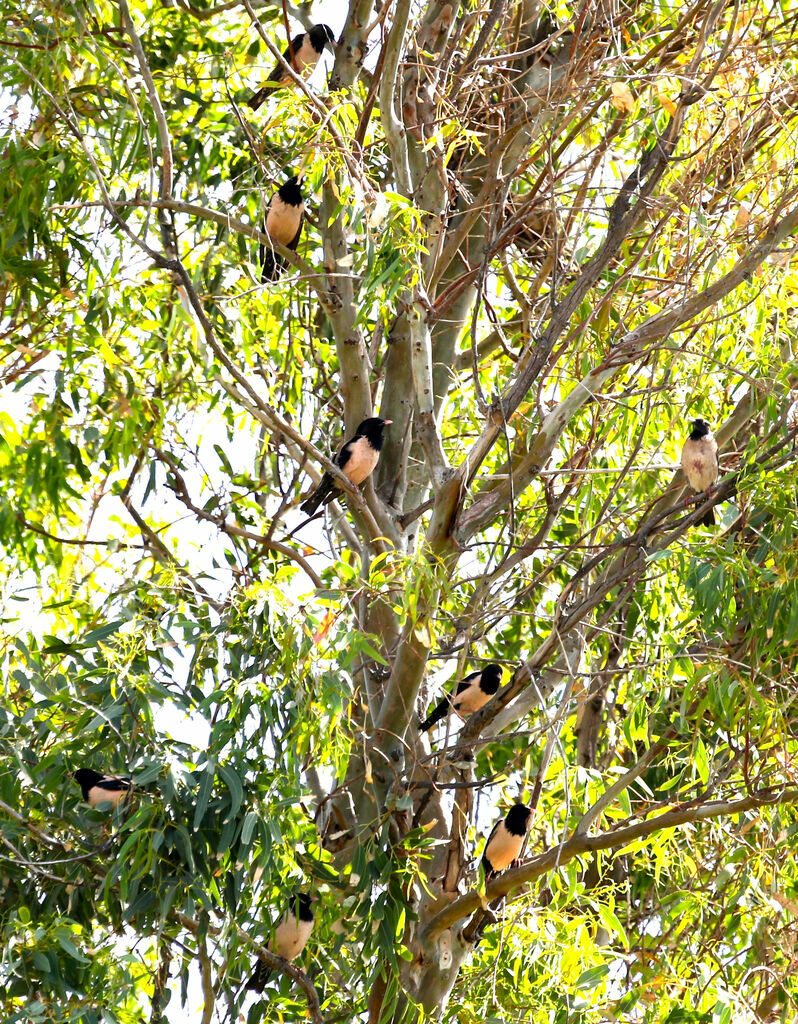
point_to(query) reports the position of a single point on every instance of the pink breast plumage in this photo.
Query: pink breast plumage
(362, 460)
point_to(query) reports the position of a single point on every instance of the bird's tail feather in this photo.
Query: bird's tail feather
(259, 977)
(436, 716)
(256, 99)
(708, 519)
(271, 264)
(322, 493)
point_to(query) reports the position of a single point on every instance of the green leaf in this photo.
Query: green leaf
(204, 794)
(589, 979)
(233, 783)
(248, 828)
(41, 962)
(102, 633)
(69, 947)
(701, 760)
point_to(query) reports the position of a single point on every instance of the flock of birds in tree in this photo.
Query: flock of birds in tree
(357, 459)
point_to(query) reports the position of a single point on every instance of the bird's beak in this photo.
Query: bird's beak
(387, 422)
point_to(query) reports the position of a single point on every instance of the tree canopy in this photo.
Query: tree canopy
(540, 240)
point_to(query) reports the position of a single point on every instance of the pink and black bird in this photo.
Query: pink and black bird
(469, 696)
(283, 222)
(101, 789)
(289, 938)
(700, 463)
(356, 460)
(307, 49)
(506, 840)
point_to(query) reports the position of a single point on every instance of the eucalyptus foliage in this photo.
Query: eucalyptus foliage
(540, 240)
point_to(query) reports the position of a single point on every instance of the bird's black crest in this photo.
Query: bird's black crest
(372, 428)
(301, 904)
(700, 428)
(320, 36)
(290, 192)
(517, 818)
(491, 678)
(87, 777)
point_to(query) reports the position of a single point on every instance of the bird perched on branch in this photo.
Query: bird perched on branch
(307, 48)
(101, 789)
(470, 695)
(700, 463)
(283, 222)
(506, 840)
(289, 939)
(356, 460)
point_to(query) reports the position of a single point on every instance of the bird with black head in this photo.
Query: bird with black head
(356, 459)
(470, 694)
(700, 463)
(289, 937)
(506, 841)
(302, 55)
(285, 215)
(99, 789)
